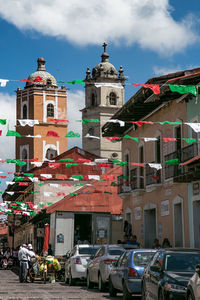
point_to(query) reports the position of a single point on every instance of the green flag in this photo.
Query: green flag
(174, 161)
(13, 133)
(29, 174)
(77, 177)
(72, 134)
(183, 89)
(73, 194)
(89, 121)
(132, 138)
(67, 159)
(19, 178)
(189, 141)
(170, 123)
(3, 121)
(70, 165)
(76, 81)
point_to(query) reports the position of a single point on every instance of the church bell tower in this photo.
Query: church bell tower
(42, 101)
(104, 95)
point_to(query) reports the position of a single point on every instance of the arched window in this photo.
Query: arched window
(112, 98)
(25, 111)
(93, 100)
(51, 153)
(50, 110)
(24, 157)
(91, 131)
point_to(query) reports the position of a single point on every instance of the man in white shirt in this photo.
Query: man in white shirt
(23, 257)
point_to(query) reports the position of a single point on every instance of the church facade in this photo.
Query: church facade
(104, 96)
(43, 101)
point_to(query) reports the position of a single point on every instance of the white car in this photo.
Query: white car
(77, 261)
(193, 289)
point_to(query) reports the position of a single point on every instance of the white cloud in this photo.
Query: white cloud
(167, 70)
(75, 102)
(148, 23)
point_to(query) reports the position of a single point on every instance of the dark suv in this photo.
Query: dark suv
(168, 273)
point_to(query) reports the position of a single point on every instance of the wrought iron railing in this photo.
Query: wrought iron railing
(133, 178)
(153, 176)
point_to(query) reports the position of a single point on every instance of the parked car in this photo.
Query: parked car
(76, 262)
(168, 273)
(193, 288)
(126, 274)
(99, 267)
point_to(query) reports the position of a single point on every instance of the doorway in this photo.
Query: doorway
(196, 223)
(149, 227)
(83, 228)
(178, 225)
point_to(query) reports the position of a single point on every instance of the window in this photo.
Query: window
(178, 137)
(157, 151)
(142, 258)
(112, 99)
(127, 167)
(91, 131)
(93, 100)
(24, 157)
(51, 153)
(50, 110)
(141, 169)
(24, 111)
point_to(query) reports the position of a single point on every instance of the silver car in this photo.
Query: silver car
(193, 289)
(76, 263)
(99, 267)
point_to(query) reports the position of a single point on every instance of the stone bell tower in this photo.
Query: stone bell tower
(41, 100)
(104, 95)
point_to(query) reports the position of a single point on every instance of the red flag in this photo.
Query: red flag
(109, 177)
(52, 133)
(23, 183)
(83, 160)
(154, 87)
(3, 177)
(58, 121)
(137, 164)
(54, 165)
(61, 177)
(140, 123)
(0, 132)
(112, 138)
(60, 194)
(166, 140)
(38, 79)
(104, 165)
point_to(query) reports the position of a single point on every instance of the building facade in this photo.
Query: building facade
(104, 95)
(157, 201)
(40, 100)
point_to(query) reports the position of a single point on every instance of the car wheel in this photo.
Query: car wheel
(112, 290)
(71, 280)
(143, 292)
(101, 284)
(89, 283)
(190, 297)
(126, 294)
(160, 295)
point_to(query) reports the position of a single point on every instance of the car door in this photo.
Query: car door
(155, 276)
(123, 269)
(147, 285)
(94, 265)
(115, 272)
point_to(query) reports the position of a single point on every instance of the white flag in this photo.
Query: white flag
(114, 85)
(3, 82)
(150, 139)
(194, 126)
(121, 123)
(155, 166)
(28, 122)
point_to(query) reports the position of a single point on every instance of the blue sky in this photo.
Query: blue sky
(148, 38)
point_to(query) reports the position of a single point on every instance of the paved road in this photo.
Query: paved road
(11, 289)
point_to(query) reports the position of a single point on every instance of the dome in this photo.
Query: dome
(41, 73)
(104, 69)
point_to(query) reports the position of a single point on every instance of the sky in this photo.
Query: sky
(148, 38)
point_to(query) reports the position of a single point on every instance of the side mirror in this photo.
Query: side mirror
(197, 269)
(155, 268)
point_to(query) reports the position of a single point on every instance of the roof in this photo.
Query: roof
(93, 198)
(144, 101)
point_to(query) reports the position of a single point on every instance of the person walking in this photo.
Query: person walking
(23, 256)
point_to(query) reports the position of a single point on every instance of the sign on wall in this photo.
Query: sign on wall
(60, 238)
(138, 213)
(195, 188)
(164, 208)
(40, 232)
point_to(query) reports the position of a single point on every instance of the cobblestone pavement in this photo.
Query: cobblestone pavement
(11, 289)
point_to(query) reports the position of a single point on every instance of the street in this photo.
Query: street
(11, 289)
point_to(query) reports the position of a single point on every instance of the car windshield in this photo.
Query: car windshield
(115, 251)
(88, 250)
(182, 262)
(142, 258)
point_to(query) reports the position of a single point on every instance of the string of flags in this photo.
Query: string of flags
(182, 89)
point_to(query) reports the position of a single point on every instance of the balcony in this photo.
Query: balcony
(183, 155)
(152, 176)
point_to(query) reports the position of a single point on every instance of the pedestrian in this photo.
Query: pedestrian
(127, 228)
(50, 251)
(8, 253)
(156, 244)
(23, 256)
(166, 243)
(133, 241)
(77, 235)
